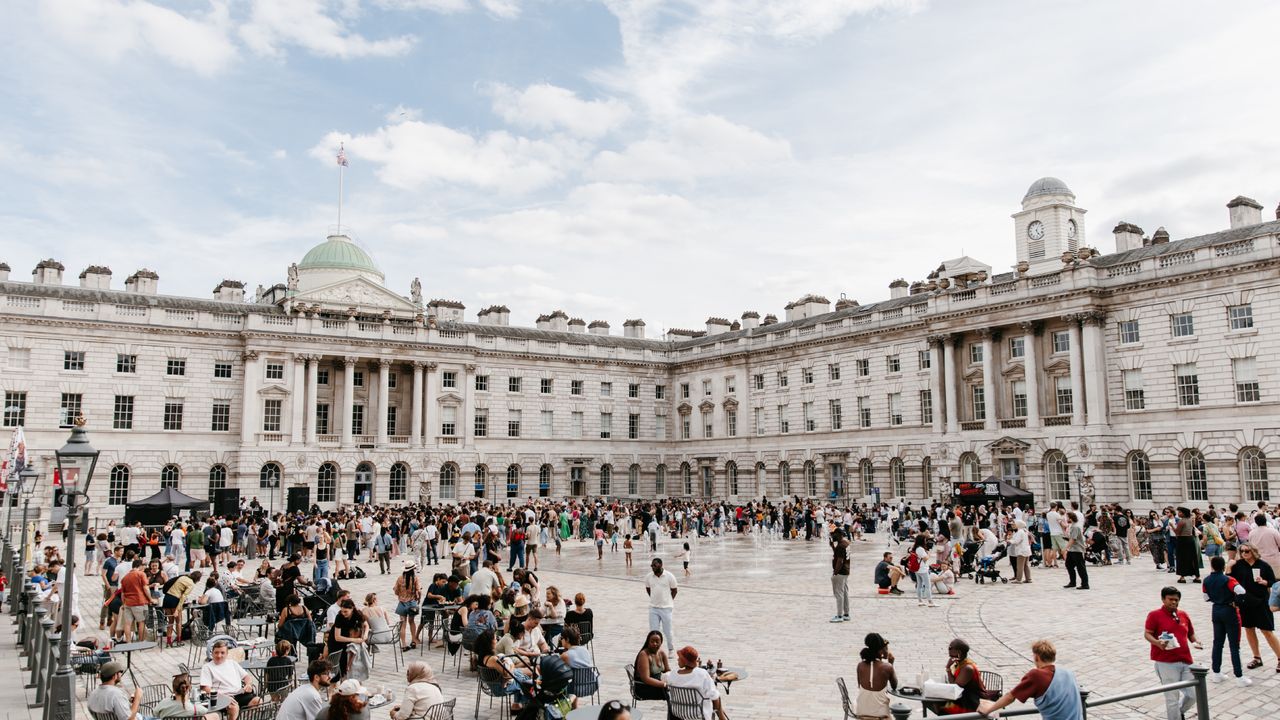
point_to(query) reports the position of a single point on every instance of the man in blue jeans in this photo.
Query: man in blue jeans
(661, 587)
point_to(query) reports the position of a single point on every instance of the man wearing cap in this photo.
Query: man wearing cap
(661, 587)
(226, 677)
(308, 700)
(351, 694)
(111, 699)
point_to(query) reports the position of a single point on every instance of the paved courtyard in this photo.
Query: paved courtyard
(764, 605)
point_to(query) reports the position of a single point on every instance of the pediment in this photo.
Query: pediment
(359, 292)
(1009, 446)
(274, 391)
(1058, 364)
(684, 408)
(730, 404)
(706, 406)
(449, 398)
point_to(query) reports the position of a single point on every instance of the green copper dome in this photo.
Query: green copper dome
(338, 253)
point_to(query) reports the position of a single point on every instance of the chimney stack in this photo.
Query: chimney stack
(558, 320)
(1128, 236)
(577, 325)
(750, 319)
(229, 291)
(543, 322)
(717, 325)
(96, 277)
(598, 327)
(1160, 236)
(143, 282)
(4, 272)
(633, 328)
(1244, 211)
(898, 288)
(47, 272)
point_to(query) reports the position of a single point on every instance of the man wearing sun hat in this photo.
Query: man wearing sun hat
(111, 699)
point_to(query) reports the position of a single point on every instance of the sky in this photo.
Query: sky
(660, 159)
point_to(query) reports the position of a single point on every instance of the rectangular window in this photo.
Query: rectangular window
(707, 430)
(391, 381)
(575, 387)
(660, 422)
(833, 409)
(1183, 325)
(685, 427)
(1062, 395)
(481, 424)
(546, 386)
(176, 367)
(782, 378)
(1187, 382)
(220, 420)
(1017, 347)
(1240, 316)
(1129, 332)
(69, 409)
(1134, 395)
(357, 379)
(606, 389)
(975, 354)
(809, 423)
(706, 388)
(575, 424)
(925, 358)
(659, 392)
(548, 423)
(863, 367)
(895, 408)
(222, 371)
(275, 371)
(926, 407)
(322, 376)
(979, 395)
(1246, 374)
(833, 371)
(893, 363)
(482, 383)
(19, 358)
(122, 413)
(322, 418)
(1061, 342)
(806, 375)
(757, 381)
(126, 363)
(864, 411)
(513, 385)
(15, 409)
(73, 360)
(730, 385)
(633, 426)
(173, 415)
(784, 425)
(684, 391)
(633, 390)
(1018, 390)
(606, 426)
(449, 421)
(270, 415)
(758, 418)
(448, 379)
(357, 419)
(392, 416)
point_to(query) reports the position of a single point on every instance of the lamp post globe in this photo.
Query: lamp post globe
(76, 462)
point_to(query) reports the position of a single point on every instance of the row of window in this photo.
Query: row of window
(269, 476)
(76, 360)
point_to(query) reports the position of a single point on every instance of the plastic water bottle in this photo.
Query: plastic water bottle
(920, 680)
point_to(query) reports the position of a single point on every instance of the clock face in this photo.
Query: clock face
(1071, 228)
(1035, 230)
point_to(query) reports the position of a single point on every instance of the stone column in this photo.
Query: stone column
(936, 389)
(1077, 370)
(1095, 368)
(348, 398)
(432, 413)
(384, 398)
(313, 397)
(297, 399)
(416, 420)
(249, 405)
(467, 431)
(949, 373)
(989, 370)
(1031, 372)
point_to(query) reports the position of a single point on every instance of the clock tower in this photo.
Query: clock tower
(1048, 225)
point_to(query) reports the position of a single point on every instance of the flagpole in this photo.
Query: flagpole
(340, 173)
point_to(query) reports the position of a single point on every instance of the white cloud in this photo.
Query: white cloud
(113, 28)
(274, 24)
(402, 113)
(547, 107)
(501, 9)
(693, 147)
(279, 154)
(505, 9)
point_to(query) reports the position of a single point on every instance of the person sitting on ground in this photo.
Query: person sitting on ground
(225, 677)
(421, 693)
(875, 677)
(180, 704)
(962, 671)
(306, 701)
(650, 664)
(690, 675)
(888, 574)
(348, 702)
(110, 699)
(944, 580)
(574, 655)
(1056, 692)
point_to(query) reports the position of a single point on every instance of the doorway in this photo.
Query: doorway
(364, 484)
(577, 481)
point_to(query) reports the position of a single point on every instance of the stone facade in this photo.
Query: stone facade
(1145, 376)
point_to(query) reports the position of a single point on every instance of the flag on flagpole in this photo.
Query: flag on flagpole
(342, 156)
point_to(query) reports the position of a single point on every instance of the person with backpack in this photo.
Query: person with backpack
(382, 546)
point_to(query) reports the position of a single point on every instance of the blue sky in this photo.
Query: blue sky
(660, 159)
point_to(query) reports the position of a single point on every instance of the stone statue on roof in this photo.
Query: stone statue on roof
(415, 290)
(293, 277)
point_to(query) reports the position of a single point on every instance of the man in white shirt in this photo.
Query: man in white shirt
(226, 677)
(306, 701)
(1058, 543)
(483, 582)
(661, 587)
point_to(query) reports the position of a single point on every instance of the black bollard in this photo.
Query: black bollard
(1199, 673)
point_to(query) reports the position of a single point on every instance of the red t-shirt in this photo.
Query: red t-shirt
(1034, 684)
(1161, 621)
(133, 588)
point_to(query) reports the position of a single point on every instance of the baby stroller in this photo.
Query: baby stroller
(1037, 554)
(987, 569)
(1095, 552)
(551, 692)
(968, 560)
(318, 601)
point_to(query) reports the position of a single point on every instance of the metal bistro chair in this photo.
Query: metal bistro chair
(844, 699)
(684, 703)
(439, 711)
(102, 715)
(586, 683)
(383, 638)
(151, 695)
(631, 684)
(485, 683)
(586, 629)
(261, 711)
(277, 681)
(992, 682)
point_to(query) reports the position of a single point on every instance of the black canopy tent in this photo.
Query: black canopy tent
(990, 490)
(157, 509)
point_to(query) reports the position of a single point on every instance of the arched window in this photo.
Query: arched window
(169, 475)
(926, 476)
(327, 483)
(513, 481)
(217, 478)
(1139, 475)
(269, 475)
(660, 481)
(686, 474)
(633, 480)
(1253, 470)
(784, 478)
(118, 490)
(761, 477)
(1057, 476)
(398, 485)
(810, 478)
(898, 475)
(544, 481)
(970, 468)
(448, 481)
(482, 477)
(606, 477)
(731, 473)
(1195, 476)
(868, 476)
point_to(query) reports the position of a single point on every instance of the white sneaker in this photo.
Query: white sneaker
(932, 605)
(1243, 681)
(1217, 677)
(921, 603)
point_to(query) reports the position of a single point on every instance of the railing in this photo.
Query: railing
(964, 295)
(271, 437)
(399, 440)
(1182, 258)
(1125, 269)
(277, 320)
(22, 302)
(333, 324)
(365, 439)
(891, 314)
(402, 329)
(1238, 247)
(180, 314)
(1057, 421)
(1014, 423)
(335, 439)
(452, 334)
(1041, 281)
(78, 306)
(1004, 288)
(973, 425)
(222, 319)
(369, 327)
(902, 711)
(448, 440)
(131, 311)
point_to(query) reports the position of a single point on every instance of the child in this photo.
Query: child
(626, 546)
(599, 536)
(613, 541)
(685, 556)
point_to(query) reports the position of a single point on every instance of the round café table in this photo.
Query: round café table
(591, 712)
(129, 649)
(742, 674)
(916, 698)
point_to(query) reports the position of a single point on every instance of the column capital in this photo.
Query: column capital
(430, 366)
(385, 362)
(989, 333)
(349, 360)
(301, 358)
(248, 355)
(1073, 318)
(419, 364)
(936, 339)
(1094, 317)
(1031, 327)
(471, 367)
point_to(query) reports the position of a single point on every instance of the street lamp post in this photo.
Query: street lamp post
(76, 462)
(28, 480)
(1078, 474)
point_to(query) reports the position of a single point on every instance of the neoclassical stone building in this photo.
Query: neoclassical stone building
(1145, 375)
